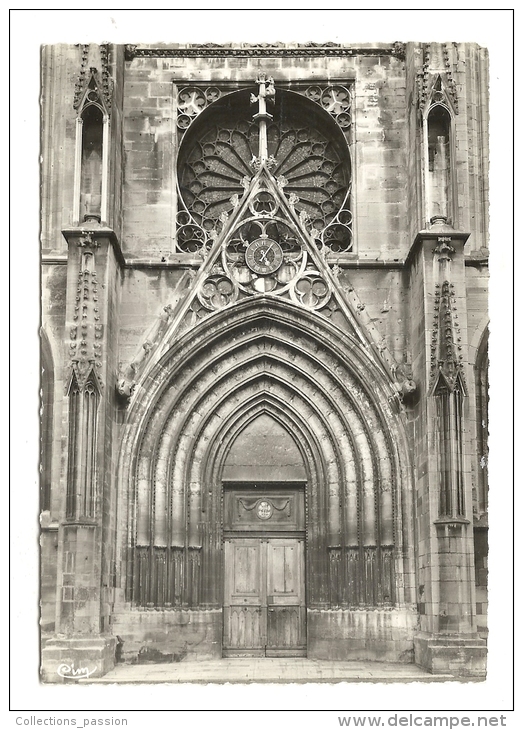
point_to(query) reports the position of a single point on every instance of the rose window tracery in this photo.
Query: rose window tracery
(308, 157)
(334, 99)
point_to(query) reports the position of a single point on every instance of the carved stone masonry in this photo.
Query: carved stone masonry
(81, 82)
(445, 348)
(444, 251)
(336, 100)
(86, 334)
(436, 81)
(94, 57)
(273, 50)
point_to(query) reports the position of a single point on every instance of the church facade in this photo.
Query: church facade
(264, 354)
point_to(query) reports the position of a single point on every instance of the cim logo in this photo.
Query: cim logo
(69, 671)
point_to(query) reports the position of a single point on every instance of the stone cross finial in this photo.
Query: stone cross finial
(266, 93)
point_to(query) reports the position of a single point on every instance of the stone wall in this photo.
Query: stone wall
(168, 636)
(385, 636)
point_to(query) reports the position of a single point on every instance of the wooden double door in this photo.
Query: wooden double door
(264, 608)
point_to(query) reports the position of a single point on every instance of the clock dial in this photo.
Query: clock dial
(264, 256)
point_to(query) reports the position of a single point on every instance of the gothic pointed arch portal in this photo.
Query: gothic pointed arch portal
(266, 357)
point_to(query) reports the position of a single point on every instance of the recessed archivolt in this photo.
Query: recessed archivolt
(292, 344)
(214, 383)
(210, 386)
(347, 435)
(293, 422)
(332, 468)
(187, 435)
(264, 313)
(214, 360)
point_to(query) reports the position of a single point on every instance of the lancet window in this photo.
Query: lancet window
(90, 189)
(439, 157)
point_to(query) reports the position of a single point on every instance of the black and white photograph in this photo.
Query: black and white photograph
(263, 344)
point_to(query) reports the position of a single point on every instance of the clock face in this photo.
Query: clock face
(264, 256)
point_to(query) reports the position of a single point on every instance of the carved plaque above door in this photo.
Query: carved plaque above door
(264, 508)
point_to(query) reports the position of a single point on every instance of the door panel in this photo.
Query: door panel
(285, 598)
(245, 607)
(284, 571)
(245, 576)
(264, 610)
(285, 634)
(245, 630)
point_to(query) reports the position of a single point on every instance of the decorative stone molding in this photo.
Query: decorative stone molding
(107, 82)
(83, 370)
(91, 234)
(446, 358)
(450, 68)
(435, 79)
(275, 50)
(191, 101)
(86, 334)
(217, 291)
(81, 81)
(444, 251)
(98, 84)
(84, 396)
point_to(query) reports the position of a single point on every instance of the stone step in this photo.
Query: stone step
(266, 670)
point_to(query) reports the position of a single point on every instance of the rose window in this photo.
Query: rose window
(311, 161)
